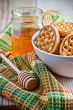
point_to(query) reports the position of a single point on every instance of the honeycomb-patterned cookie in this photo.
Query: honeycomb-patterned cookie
(64, 28)
(66, 47)
(48, 39)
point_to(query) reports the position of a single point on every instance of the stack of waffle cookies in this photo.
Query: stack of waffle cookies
(56, 38)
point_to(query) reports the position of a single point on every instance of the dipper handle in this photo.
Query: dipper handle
(27, 80)
(10, 63)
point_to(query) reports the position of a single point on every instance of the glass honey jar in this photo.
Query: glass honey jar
(25, 22)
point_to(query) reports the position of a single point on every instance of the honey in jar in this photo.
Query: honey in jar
(26, 21)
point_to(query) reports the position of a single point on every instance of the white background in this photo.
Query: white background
(63, 6)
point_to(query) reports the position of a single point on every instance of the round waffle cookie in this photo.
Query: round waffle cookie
(48, 39)
(66, 47)
(64, 28)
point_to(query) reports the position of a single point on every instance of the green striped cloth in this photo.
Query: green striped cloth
(5, 39)
(50, 94)
(51, 16)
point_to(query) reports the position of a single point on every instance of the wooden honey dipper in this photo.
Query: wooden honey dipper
(27, 80)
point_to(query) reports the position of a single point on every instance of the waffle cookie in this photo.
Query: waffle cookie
(66, 47)
(64, 28)
(48, 39)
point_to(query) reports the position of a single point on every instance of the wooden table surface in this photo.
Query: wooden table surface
(6, 7)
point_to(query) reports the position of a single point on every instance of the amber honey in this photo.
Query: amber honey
(25, 22)
(21, 40)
